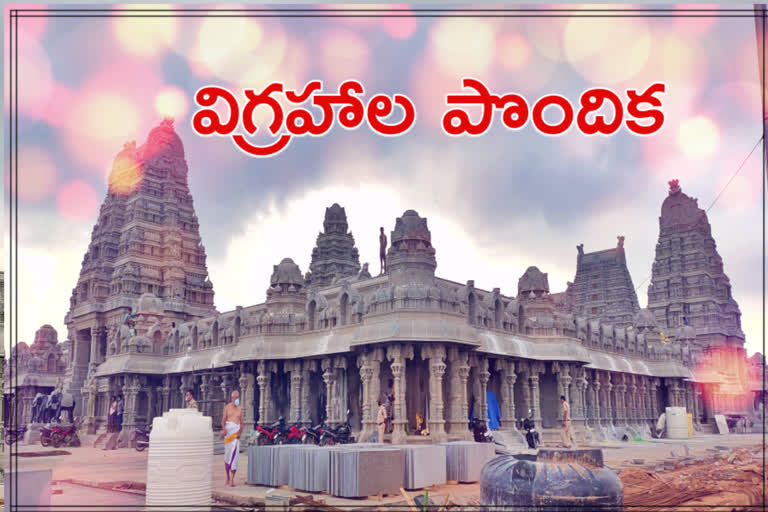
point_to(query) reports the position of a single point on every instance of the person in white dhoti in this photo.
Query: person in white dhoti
(231, 429)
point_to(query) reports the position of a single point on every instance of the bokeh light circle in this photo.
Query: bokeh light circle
(698, 137)
(77, 201)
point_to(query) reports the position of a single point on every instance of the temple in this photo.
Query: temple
(142, 324)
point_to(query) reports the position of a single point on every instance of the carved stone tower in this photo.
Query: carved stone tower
(146, 240)
(411, 257)
(335, 255)
(688, 283)
(603, 287)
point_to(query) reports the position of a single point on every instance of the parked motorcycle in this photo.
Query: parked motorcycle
(141, 438)
(14, 434)
(45, 435)
(64, 435)
(312, 434)
(274, 434)
(480, 431)
(340, 435)
(294, 434)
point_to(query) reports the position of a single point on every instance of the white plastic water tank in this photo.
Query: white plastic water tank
(180, 457)
(677, 423)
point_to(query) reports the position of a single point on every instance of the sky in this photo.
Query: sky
(496, 204)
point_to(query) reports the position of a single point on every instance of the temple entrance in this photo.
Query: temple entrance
(317, 397)
(662, 399)
(549, 398)
(417, 391)
(280, 396)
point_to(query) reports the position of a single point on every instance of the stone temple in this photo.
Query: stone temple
(142, 323)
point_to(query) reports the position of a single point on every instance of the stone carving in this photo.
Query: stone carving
(533, 281)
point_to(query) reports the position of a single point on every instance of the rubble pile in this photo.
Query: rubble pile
(725, 479)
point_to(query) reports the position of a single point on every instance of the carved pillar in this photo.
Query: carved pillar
(294, 416)
(262, 380)
(398, 354)
(536, 369)
(307, 367)
(525, 368)
(131, 390)
(654, 399)
(165, 393)
(697, 405)
(483, 376)
(329, 377)
(93, 358)
(579, 387)
(246, 383)
(621, 395)
(457, 402)
(205, 388)
(366, 375)
(596, 412)
(506, 368)
(436, 356)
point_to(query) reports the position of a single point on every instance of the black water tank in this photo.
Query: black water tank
(558, 480)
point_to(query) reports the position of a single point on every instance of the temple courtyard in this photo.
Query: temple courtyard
(732, 462)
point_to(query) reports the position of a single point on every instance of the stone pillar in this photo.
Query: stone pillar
(398, 354)
(483, 375)
(262, 380)
(654, 399)
(246, 383)
(506, 368)
(294, 367)
(596, 412)
(607, 406)
(632, 406)
(307, 366)
(93, 360)
(525, 366)
(436, 356)
(536, 369)
(621, 395)
(131, 388)
(204, 393)
(370, 407)
(329, 377)
(165, 392)
(457, 402)
(697, 405)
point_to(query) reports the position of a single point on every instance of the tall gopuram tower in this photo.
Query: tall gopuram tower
(335, 255)
(146, 241)
(603, 287)
(688, 283)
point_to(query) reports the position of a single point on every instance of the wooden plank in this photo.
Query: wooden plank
(409, 500)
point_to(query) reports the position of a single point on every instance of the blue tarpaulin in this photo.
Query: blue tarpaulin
(494, 413)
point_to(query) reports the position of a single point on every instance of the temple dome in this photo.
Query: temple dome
(46, 335)
(286, 273)
(679, 209)
(534, 280)
(163, 139)
(411, 255)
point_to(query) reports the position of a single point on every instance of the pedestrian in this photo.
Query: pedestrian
(565, 433)
(191, 402)
(120, 409)
(231, 430)
(381, 421)
(112, 418)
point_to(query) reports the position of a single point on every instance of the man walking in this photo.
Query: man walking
(381, 421)
(382, 250)
(231, 429)
(191, 402)
(565, 433)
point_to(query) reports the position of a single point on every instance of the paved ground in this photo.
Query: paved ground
(107, 468)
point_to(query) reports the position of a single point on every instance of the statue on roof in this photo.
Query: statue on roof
(621, 242)
(674, 186)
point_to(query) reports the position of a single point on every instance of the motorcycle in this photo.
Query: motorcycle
(274, 434)
(141, 438)
(295, 434)
(66, 435)
(340, 435)
(312, 435)
(45, 435)
(480, 431)
(14, 434)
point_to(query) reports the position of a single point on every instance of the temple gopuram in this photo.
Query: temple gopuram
(142, 324)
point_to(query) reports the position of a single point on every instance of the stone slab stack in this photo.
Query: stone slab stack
(425, 465)
(465, 459)
(269, 465)
(308, 469)
(356, 472)
(28, 489)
